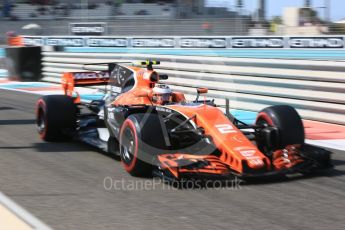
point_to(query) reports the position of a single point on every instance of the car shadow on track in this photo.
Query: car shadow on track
(6, 108)
(18, 122)
(332, 172)
(72, 146)
(49, 147)
(61, 147)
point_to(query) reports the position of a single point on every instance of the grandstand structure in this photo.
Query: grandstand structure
(103, 9)
(90, 10)
(140, 27)
(125, 17)
(154, 17)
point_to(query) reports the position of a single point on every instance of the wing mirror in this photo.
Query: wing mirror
(200, 91)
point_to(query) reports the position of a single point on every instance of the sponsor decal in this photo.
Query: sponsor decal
(257, 42)
(247, 153)
(250, 155)
(190, 42)
(154, 42)
(107, 42)
(162, 109)
(64, 41)
(88, 28)
(316, 42)
(203, 42)
(257, 162)
(90, 75)
(111, 115)
(33, 41)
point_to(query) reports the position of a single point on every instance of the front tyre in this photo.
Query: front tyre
(135, 161)
(286, 121)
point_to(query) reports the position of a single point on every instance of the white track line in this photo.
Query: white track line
(22, 214)
(336, 144)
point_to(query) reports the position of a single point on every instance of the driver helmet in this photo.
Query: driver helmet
(161, 94)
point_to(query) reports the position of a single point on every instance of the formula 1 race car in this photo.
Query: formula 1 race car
(156, 130)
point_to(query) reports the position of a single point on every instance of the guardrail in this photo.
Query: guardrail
(315, 88)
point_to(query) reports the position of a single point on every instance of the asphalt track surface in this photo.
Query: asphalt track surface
(63, 185)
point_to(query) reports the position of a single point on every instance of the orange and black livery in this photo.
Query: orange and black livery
(154, 129)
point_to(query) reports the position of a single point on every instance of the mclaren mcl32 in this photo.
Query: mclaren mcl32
(155, 129)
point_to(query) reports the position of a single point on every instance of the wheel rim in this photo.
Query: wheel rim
(41, 124)
(127, 149)
(262, 122)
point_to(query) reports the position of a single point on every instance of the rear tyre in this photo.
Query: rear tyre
(55, 117)
(287, 122)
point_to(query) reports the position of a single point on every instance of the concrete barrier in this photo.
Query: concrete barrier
(315, 88)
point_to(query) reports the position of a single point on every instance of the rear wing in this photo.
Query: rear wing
(98, 74)
(73, 79)
(86, 78)
(102, 76)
